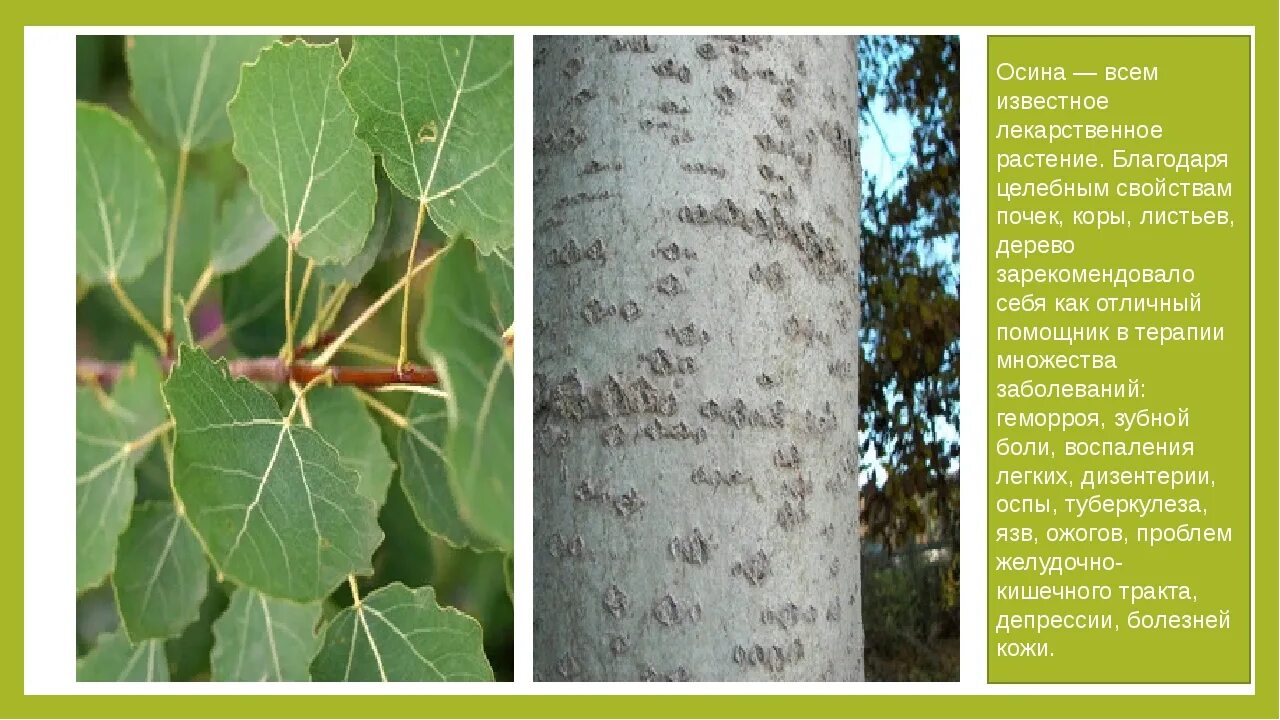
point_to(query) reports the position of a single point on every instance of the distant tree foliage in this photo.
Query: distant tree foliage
(910, 374)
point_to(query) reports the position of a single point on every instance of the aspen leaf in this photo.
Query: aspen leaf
(295, 135)
(115, 659)
(264, 639)
(461, 335)
(273, 504)
(243, 230)
(104, 488)
(120, 200)
(160, 575)
(341, 419)
(354, 271)
(424, 474)
(438, 109)
(182, 84)
(398, 634)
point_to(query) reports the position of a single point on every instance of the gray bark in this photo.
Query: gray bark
(696, 214)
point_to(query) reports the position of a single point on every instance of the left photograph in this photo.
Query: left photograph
(294, 400)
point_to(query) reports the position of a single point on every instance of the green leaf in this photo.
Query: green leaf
(116, 660)
(253, 302)
(398, 634)
(343, 420)
(104, 488)
(272, 503)
(295, 135)
(120, 200)
(424, 475)
(161, 574)
(439, 110)
(355, 270)
(461, 336)
(182, 84)
(242, 232)
(260, 638)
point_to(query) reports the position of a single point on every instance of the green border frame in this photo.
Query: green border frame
(1261, 14)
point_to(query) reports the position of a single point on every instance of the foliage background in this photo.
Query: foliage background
(475, 583)
(910, 372)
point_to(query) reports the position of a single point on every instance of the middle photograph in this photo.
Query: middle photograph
(697, 205)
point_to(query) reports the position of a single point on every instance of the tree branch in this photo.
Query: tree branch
(276, 370)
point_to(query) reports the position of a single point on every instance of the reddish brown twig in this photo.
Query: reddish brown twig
(275, 370)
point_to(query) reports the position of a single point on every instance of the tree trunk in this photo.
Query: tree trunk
(696, 215)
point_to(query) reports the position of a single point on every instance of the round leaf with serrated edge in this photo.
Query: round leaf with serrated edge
(439, 110)
(341, 419)
(243, 230)
(182, 83)
(270, 500)
(104, 488)
(120, 200)
(295, 135)
(114, 659)
(424, 474)
(398, 634)
(260, 639)
(161, 574)
(461, 336)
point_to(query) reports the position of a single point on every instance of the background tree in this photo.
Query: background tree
(909, 382)
(696, 323)
(910, 341)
